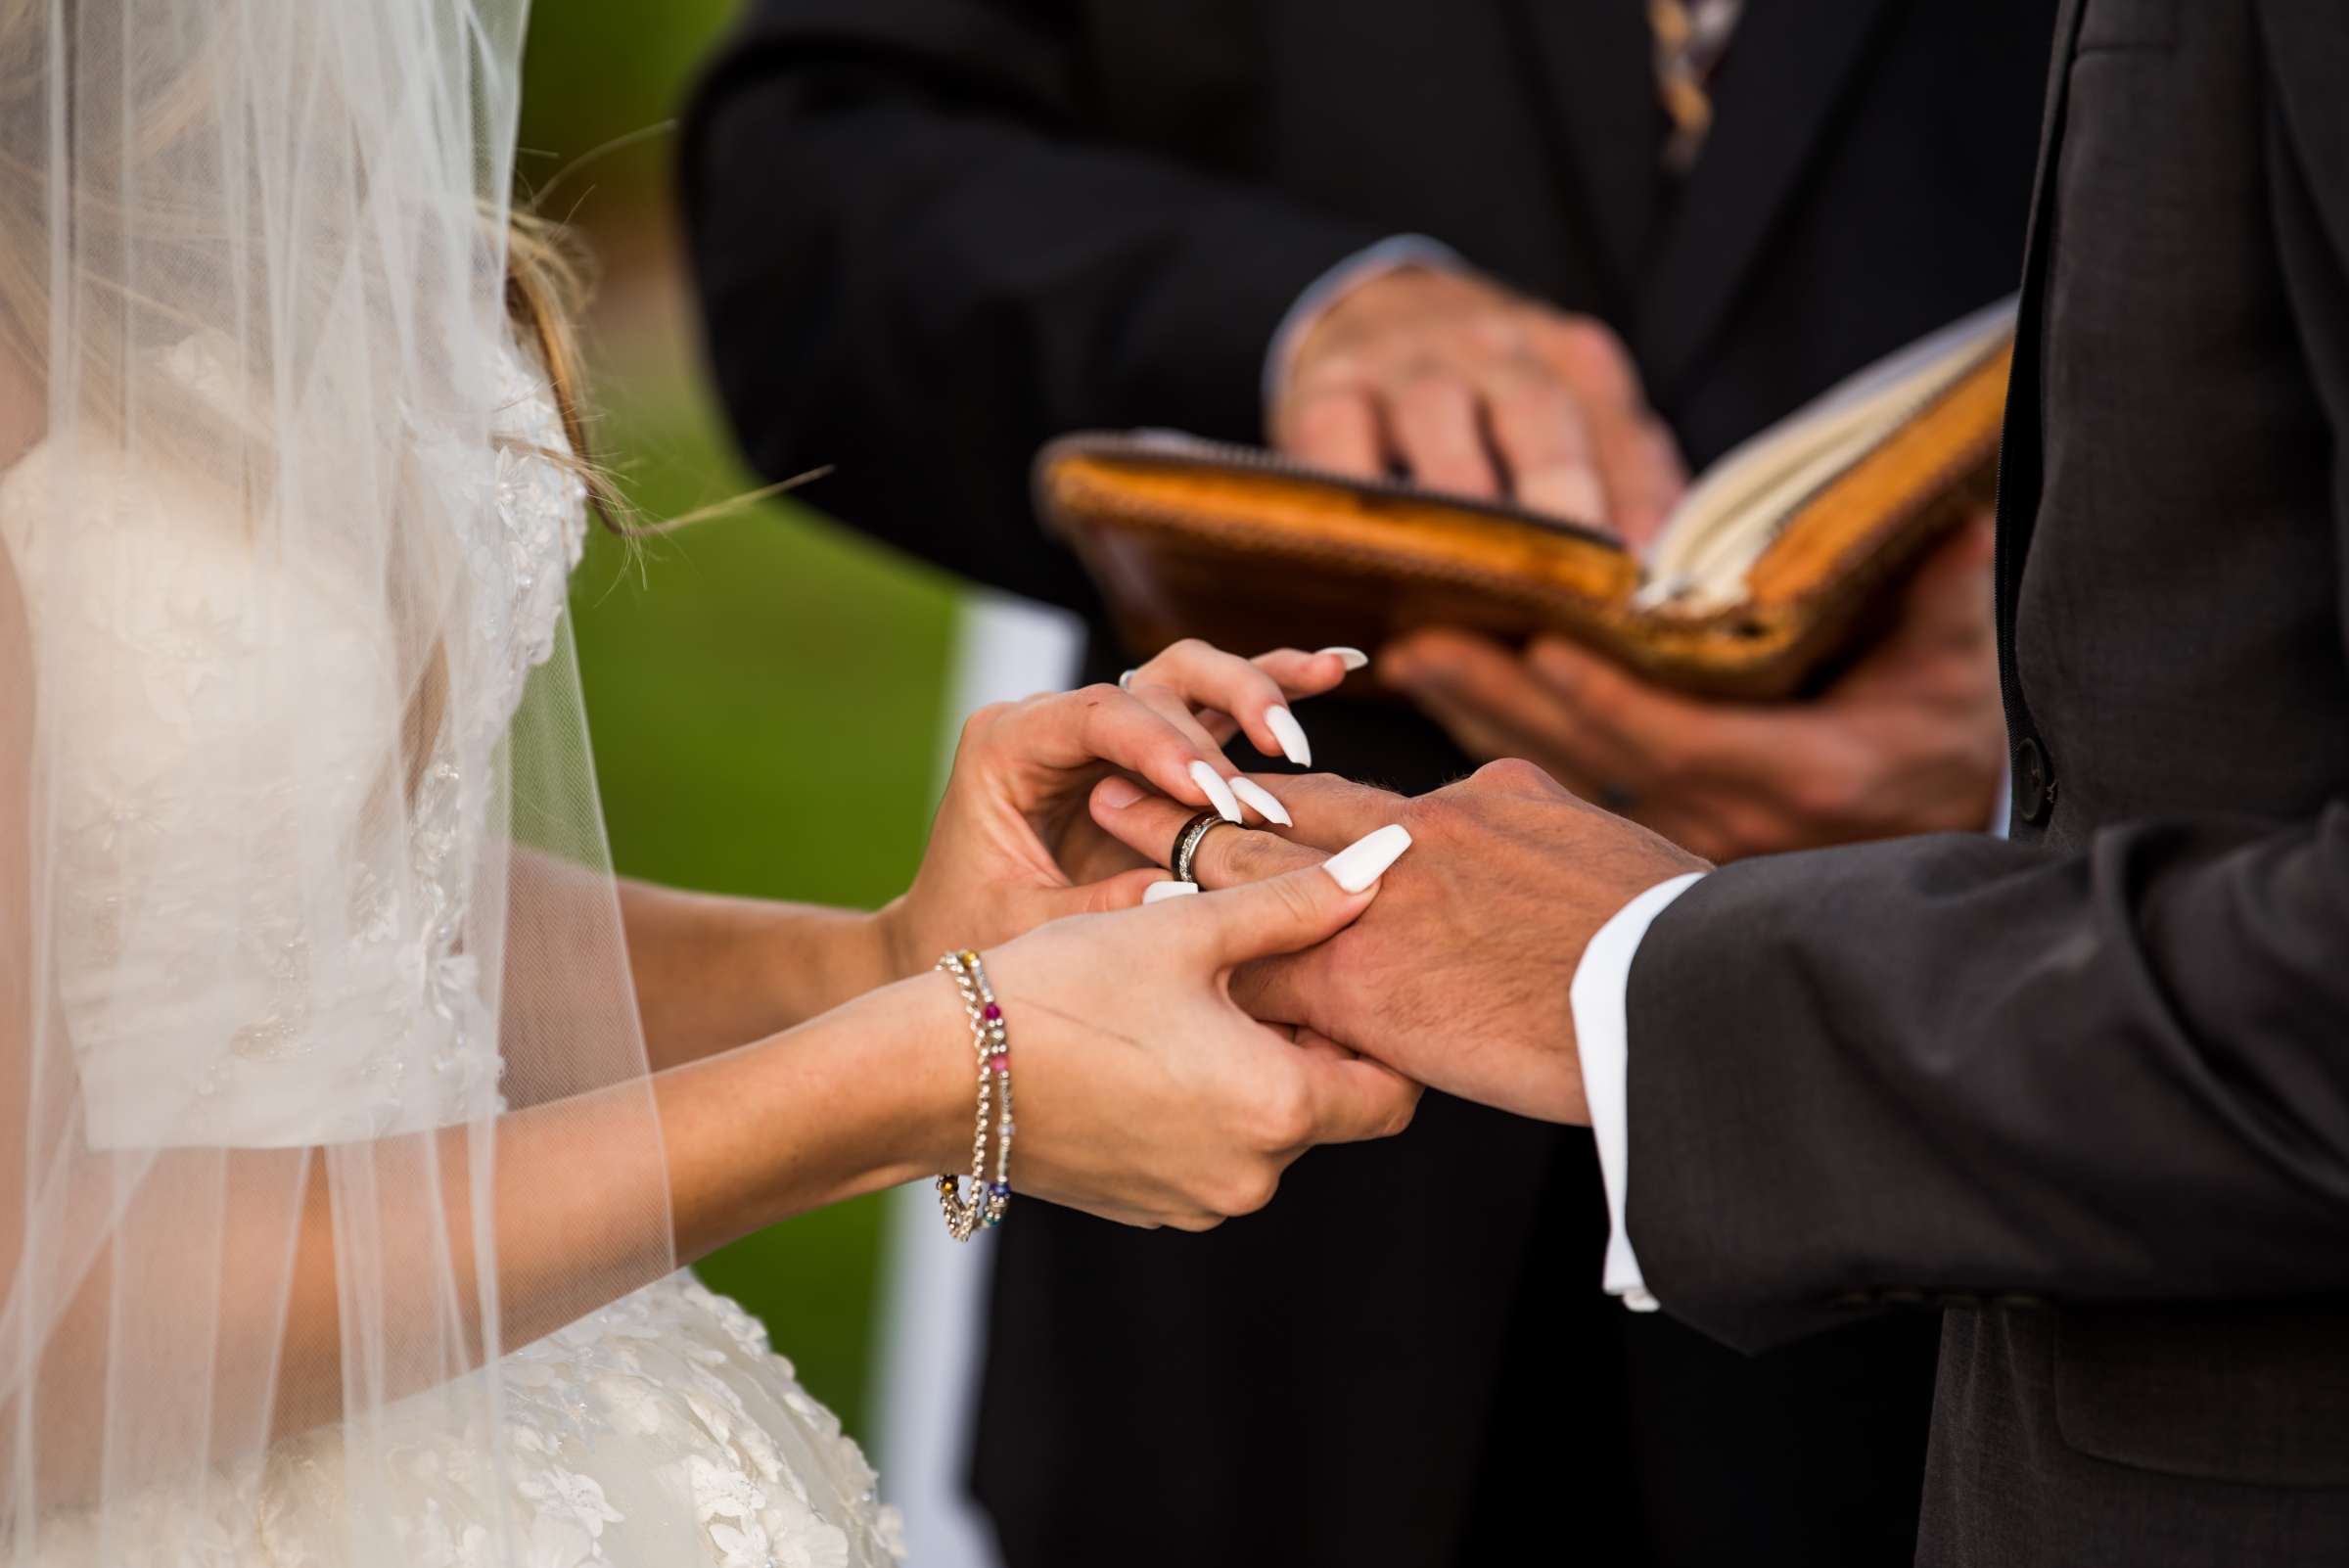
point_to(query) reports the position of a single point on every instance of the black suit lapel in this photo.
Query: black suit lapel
(1786, 73)
(1591, 63)
(2019, 451)
(2018, 467)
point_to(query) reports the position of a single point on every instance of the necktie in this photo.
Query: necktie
(1691, 35)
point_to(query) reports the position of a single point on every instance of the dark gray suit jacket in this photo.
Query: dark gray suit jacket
(2090, 1089)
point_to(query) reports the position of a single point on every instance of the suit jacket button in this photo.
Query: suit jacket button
(2034, 782)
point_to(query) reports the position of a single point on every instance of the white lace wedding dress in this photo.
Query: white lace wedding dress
(667, 1402)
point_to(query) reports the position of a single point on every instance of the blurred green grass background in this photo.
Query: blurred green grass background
(765, 690)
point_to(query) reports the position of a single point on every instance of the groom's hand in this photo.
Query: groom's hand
(1458, 975)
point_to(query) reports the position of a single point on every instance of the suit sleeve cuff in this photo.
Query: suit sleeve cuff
(1390, 255)
(1602, 1037)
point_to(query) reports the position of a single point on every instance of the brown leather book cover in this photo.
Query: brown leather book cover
(1249, 551)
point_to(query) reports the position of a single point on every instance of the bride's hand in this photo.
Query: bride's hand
(1013, 846)
(1145, 1095)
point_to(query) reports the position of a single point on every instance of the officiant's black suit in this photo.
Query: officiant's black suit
(931, 234)
(2090, 1088)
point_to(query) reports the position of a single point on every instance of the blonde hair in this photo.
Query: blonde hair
(547, 294)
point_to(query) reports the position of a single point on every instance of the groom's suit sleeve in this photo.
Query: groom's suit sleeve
(1954, 1066)
(917, 265)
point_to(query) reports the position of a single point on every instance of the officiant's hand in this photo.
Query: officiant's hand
(1012, 846)
(1467, 387)
(1457, 976)
(1909, 739)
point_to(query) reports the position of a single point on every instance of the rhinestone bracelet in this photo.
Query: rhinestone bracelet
(988, 1200)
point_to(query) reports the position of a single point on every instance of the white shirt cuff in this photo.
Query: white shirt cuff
(1390, 255)
(1603, 1037)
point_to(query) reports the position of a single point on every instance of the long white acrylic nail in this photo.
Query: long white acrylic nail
(1250, 793)
(1291, 735)
(1160, 891)
(1218, 792)
(1366, 859)
(1351, 657)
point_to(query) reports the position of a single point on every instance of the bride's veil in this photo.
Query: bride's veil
(311, 982)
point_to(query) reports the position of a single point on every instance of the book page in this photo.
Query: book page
(1699, 558)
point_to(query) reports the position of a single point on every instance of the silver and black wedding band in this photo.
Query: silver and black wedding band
(1186, 842)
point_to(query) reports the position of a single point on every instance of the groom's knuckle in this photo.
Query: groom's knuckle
(1237, 856)
(1255, 856)
(1513, 775)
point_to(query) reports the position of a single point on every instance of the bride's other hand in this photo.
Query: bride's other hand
(1145, 1095)
(1013, 844)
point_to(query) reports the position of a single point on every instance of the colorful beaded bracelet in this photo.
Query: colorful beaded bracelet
(988, 1200)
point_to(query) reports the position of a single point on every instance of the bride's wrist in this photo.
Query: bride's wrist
(924, 1049)
(894, 953)
(811, 961)
(866, 1096)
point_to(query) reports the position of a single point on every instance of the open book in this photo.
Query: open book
(1773, 563)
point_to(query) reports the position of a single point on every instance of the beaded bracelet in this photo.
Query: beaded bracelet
(987, 1201)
